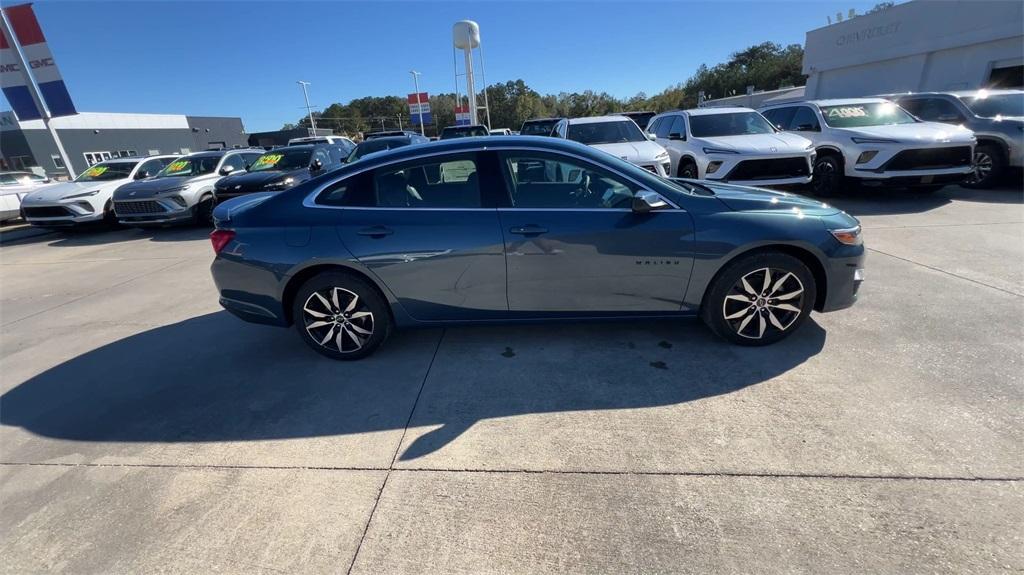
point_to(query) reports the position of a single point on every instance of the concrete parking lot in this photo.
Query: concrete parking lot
(145, 430)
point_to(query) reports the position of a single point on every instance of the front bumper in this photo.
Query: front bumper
(890, 161)
(167, 210)
(845, 276)
(10, 206)
(662, 169)
(61, 213)
(789, 169)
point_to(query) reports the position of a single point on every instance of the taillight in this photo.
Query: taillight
(220, 239)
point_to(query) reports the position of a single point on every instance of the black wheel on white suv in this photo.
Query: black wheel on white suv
(687, 169)
(828, 178)
(989, 164)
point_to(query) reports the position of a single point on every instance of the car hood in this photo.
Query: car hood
(760, 143)
(17, 190)
(645, 151)
(250, 180)
(918, 132)
(748, 199)
(152, 187)
(56, 192)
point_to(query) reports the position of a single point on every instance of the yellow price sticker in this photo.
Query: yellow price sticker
(177, 166)
(268, 160)
(95, 171)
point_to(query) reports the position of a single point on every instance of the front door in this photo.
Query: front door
(574, 245)
(424, 230)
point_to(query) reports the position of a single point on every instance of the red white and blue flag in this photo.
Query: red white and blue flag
(462, 115)
(419, 104)
(15, 82)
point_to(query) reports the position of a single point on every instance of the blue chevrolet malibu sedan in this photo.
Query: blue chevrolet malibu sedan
(526, 229)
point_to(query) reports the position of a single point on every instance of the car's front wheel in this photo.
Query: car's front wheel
(828, 176)
(989, 163)
(341, 316)
(687, 169)
(759, 299)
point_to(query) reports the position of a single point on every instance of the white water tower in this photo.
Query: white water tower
(466, 37)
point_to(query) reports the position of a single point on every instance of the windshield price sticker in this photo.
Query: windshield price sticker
(848, 112)
(177, 166)
(268, 160)
(95, 171)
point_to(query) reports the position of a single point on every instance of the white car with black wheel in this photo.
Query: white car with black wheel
(619, 136)
(87, 199)
(874, 141)
(14, 186)
(735, 145)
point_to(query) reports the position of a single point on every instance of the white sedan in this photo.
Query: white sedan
(14, 186)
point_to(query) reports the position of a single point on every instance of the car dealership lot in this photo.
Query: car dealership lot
(144, 429)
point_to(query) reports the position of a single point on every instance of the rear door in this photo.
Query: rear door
(427, 230)
(573, 244)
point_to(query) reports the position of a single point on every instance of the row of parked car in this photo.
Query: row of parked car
(922, 141)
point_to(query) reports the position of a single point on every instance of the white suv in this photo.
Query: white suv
(875, 141)
(619, 136)
(87, 199)
(734, 145)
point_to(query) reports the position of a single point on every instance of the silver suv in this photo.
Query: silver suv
(995, 116)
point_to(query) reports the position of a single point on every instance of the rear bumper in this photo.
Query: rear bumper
(248, 292)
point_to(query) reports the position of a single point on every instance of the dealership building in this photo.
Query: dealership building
(92, 137)
(916, 46)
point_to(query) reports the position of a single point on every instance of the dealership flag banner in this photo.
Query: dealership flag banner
(15, 82)
(416, 109)
(462, 115)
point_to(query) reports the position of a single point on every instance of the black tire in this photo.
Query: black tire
(202, 213)
(989, 165)
(723, 301)
(687, 169)
(340, 336)
(828, 179)
(110, 218)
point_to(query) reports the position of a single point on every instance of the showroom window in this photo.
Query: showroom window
(58, 162)
(540, 180)
(96, 157)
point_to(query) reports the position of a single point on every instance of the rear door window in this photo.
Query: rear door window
(780, 117)
(804, 119)
(449, 182)
(664, 126)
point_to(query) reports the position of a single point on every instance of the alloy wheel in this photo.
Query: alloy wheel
(824, 176)
(763, 301)
(338, 320)
(983, 164)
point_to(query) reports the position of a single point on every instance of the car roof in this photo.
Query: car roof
(599, 119)
(551, 119)
(456, 145)
(465, 127)
(845, 101)
(957, 93)
(387, 139)
(714, 111)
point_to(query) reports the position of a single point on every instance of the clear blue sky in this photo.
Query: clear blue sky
(243, 58)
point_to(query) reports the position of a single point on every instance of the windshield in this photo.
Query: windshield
(374, 146)
(187, 167)
(731, 124)
(465, 132)
(869, 114)
(992, 105)
(282, 160)
(538, 128)
(107, 172)
(605, 133)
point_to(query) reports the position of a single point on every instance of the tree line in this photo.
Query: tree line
(765, 66)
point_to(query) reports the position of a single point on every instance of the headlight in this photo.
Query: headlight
(719, 151)
(857, 140)
(661, 157)
(82, 195)
(280, 184)
(809, 147)
(848, 236)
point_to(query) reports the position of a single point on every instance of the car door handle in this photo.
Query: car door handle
(529, 230)
(375, 232)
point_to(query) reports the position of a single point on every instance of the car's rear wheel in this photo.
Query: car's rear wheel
(989, 164)
(759, 299)
(202, 213)
(341, 316)
(687, 169)
(828, 178)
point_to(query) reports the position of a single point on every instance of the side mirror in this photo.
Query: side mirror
(142, 175)
(317, 165)
(651, 136)
(645, 201)
(226, 170)
(806, 128)
(675, 136)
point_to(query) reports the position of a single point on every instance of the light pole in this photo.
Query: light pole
(309, 110)
(419, 105)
